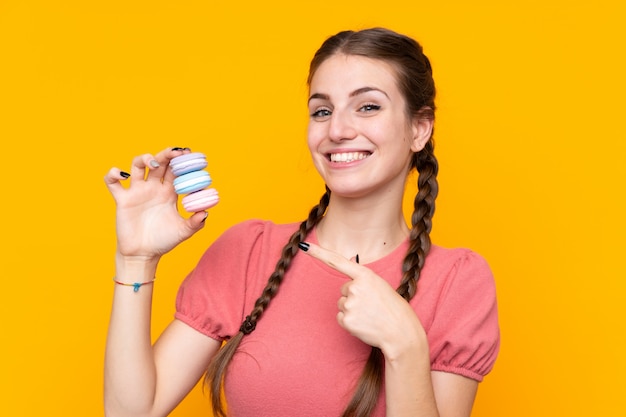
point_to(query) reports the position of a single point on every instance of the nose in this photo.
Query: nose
(341, 126)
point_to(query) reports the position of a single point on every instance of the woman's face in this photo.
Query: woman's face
(360, 137)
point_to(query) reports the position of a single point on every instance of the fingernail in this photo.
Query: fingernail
(186, 149)
(357, 258)
(124, 174)
(304, 246)
(206, 214)
(154, 164)
(177, 149)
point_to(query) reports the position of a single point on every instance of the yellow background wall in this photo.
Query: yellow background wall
(529, 134)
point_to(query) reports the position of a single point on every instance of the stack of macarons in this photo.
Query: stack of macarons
(193, 180)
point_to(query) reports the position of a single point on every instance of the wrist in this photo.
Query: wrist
(135, 268)
(408, 356)
(411, 344)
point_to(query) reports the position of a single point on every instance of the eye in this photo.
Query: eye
(368, 108)
(321, 114)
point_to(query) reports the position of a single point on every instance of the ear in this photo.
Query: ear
(422, 126)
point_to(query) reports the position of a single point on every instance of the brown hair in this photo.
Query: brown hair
(414, 78)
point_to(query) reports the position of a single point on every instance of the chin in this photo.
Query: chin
(348, 191)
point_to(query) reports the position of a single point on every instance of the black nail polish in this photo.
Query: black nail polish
(177, 148)
(304, 246)
(124, 174)
(357, 258)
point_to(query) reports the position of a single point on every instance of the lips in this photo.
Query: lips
(348, 156)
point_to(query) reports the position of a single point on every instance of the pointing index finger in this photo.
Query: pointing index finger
(332, 259)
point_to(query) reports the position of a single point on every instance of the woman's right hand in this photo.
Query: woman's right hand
(148, 223)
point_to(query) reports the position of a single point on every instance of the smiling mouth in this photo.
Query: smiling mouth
(348, 156)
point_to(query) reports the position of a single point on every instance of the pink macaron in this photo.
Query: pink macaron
(200, 200)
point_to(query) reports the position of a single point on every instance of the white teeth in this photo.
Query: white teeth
(348, 156)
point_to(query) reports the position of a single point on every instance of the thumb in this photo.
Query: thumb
(196, 221)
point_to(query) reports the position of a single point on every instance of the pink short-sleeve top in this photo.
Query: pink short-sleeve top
(298, 360)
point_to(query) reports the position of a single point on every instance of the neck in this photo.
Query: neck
(371, 229)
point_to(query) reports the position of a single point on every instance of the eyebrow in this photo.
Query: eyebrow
(355, 93)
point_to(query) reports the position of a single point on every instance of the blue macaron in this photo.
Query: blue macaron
(192, 181)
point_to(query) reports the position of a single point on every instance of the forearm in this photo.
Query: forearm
(408, 384)
(130, 372)
(409, 390)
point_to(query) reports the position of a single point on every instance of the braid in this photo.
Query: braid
(421, 220)
(217, 368)
(370, 382)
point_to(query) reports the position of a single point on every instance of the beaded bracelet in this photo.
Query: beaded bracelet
(135, 285)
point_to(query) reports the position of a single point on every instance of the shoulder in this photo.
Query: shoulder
(440, 256)
(257, 230)
(455, 282)
(252, 238)
(455, 263)
(261, 226)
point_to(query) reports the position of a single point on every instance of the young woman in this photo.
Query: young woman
(351, 312)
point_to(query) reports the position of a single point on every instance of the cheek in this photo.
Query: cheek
(314, 139)
(314, 136)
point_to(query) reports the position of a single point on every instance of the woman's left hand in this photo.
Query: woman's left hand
(369, 308)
